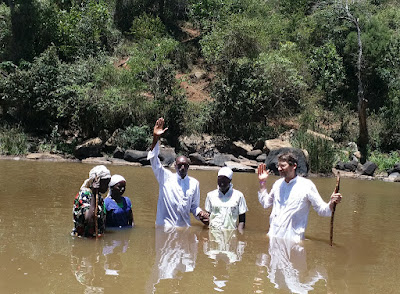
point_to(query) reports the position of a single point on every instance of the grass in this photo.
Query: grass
(321, 152)
(385, 161)
(13, 141)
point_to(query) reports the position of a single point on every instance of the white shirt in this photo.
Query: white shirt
(225, 208)
(177, 197)
(291, 205)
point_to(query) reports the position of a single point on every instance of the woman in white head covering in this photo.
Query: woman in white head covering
(118, 207)
(85, 203)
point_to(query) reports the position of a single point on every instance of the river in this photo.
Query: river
(38, 255)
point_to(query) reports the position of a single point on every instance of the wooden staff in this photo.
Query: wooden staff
(96, 223)
(334, 206)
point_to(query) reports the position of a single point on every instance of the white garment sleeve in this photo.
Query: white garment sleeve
(194, 208)
(319, 205)
(207, 204)
(266, 199)
(242, 205)
(155, 162)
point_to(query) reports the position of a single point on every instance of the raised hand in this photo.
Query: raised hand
(263, 173)
(159, 128)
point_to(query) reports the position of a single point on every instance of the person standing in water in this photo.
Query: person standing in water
(118, 208)
(84, 215)
(291, 197)
(227, 206)
(179, 194)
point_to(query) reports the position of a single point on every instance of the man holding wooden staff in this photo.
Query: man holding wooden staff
(291, 198)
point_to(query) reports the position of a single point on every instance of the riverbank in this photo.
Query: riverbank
(106, 160)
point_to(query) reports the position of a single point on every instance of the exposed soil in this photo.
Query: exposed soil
(196, 84)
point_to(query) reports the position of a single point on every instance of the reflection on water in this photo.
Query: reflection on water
(176, 253)
(223, 246)
(37, 254)
(97, 263)
(287, 266)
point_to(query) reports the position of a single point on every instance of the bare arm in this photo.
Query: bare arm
(131, 220)
(90, 213)
(242, 222)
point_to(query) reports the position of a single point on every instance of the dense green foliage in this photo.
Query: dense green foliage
(75, 69)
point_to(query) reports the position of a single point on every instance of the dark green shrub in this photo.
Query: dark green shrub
(134, 137)
(147, 27)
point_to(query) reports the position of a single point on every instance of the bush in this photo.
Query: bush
(30, 92)
(232, 40)
(13, 141)
(384, 161)
(249, 93)
(147, 27)
(321, 152)
(134, 137)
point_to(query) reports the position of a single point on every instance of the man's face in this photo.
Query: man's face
(182, 166)
(286, 170)
(223, 183)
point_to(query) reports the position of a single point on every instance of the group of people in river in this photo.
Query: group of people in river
(179, 195)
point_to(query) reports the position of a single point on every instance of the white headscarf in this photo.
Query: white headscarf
(115, 179)
(99, 171)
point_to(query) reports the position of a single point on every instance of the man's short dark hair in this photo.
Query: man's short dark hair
(289, 157)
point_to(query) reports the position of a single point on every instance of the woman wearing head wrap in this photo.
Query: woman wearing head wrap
(85, 203)
(118, 207)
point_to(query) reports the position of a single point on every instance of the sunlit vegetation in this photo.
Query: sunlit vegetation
(87, 68)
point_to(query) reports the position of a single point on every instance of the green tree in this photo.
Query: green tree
(327, 67)
(5, 32)
(86, 30)
(34, 28)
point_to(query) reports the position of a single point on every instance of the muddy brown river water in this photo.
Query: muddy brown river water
(38, 255)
